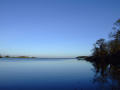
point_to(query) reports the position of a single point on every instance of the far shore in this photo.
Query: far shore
(16, 57)
(32, 57)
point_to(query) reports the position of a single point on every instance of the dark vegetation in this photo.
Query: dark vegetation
(81, 57)
(105, 59)
(16, 57)
(24, 57)
(0, 56)
(108, 51)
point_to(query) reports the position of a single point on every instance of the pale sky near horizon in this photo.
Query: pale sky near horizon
(54, 28)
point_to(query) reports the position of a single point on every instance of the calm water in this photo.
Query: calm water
(51, 74)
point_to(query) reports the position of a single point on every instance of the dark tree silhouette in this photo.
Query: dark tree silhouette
(109, 49)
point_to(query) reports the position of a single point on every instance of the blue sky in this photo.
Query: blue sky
(54, 28)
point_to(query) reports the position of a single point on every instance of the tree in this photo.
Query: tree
(100, 48)
(115, 35)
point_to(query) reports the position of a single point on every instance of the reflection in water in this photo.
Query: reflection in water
(52, 74)
(45, 74)
(106, 75)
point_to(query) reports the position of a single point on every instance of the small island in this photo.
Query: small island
(16, 57)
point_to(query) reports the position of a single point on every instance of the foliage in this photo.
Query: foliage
(112, 47)
(100, 48)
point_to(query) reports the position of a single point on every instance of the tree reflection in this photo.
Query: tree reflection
(106, 75)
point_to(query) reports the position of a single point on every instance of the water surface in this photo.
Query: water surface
(18, 73)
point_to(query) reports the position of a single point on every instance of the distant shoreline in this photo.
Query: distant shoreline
(38, 58)
(16, 57)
